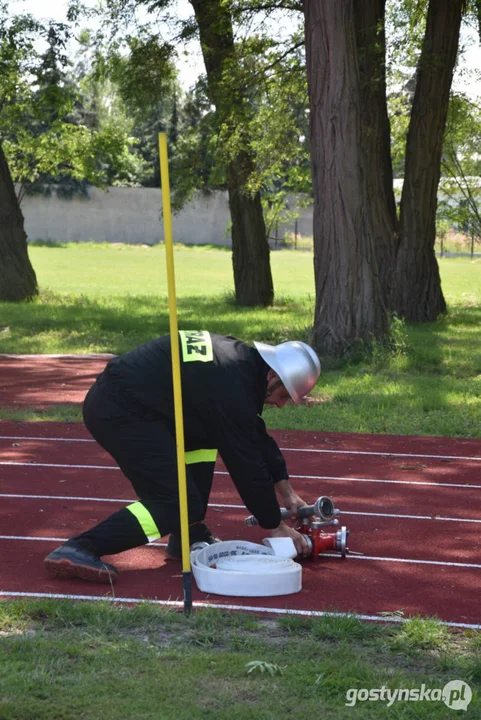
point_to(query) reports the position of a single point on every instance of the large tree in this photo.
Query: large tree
(42, 136)
(250, 250)
(418, 293)
(349, 301)
(369, 17)
(213, 24)
(17, 276)
(359, 242)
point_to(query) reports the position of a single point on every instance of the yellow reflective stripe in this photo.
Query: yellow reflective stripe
(146, 520)
(198, 456)
(196, 345)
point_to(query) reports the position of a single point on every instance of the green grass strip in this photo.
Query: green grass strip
(63, 661)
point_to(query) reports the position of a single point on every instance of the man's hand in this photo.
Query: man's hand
(299, 540)
(288, 498)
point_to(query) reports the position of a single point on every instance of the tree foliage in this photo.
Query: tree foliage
(250, 251)
(461, 167)
(244, 127)
(42, 126)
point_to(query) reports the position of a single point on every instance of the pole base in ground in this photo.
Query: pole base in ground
(187, 583)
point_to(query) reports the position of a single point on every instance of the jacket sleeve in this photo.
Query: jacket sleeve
(246, 452)
(275, 459)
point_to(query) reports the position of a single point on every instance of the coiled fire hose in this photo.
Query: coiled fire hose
(246, 569)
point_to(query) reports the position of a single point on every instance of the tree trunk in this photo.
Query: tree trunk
(419, 297)
(250, 249)
(376, 133)
(17, 276)
(349, 304)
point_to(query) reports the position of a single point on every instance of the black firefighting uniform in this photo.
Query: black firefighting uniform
(130, 412)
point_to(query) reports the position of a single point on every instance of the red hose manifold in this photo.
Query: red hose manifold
(320, 541)
(310, 521)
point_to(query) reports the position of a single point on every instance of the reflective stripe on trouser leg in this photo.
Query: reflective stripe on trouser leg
(146, 521)
(198, 456)
(144, 517)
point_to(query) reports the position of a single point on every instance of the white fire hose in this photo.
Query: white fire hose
(246, 569)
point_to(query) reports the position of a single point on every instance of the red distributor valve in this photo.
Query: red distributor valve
(320, 541)
(311, 521)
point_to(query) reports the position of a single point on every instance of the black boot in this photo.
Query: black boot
(198, 532)
(71, 561)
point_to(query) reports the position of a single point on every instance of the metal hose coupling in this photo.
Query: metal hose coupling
(323, 509)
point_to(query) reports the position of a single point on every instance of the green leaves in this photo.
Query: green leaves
(461, 167)
(145, 73)
(260, 666)
(56, 123)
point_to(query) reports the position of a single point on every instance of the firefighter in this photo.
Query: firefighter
(129, 411)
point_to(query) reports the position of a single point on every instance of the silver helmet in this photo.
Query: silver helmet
(296, 364)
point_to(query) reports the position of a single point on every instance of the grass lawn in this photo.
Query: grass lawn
(99, 661)
(65, 661)
(104, 298)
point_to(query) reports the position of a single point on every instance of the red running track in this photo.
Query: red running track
(411, 504)
(44, 380)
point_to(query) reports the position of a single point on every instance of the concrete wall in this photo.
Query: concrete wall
(133, 216)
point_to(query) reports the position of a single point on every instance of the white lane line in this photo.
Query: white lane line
(411, 517)
(45, 439)
(221, 472)
(305, 450)
(383, 454)
(97, 499)
(66, 497)
(222, 606)
(237, 507)
(377, 480)
(63, 356)
(373, 480)
(28, 537)
(62, 540)
(59, 465)
(373, 558)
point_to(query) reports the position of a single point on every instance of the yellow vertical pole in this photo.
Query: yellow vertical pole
(174, 335)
